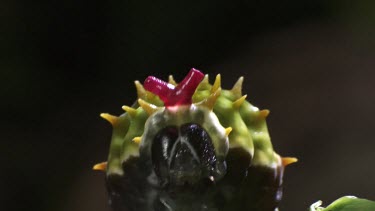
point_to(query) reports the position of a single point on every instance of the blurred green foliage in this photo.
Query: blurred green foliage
(346, 203)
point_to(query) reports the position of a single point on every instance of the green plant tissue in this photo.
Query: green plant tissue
(346, 203)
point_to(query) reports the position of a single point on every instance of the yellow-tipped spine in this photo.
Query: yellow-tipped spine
(205, 79)
(205, 84)
(264, 113)
(100, 166)
(288, 160)
(110, 118)
(141, 92)
(228, 130)
(171, 80)
(149, 108)
(210, 101)
(217, 83)
(237, 104)
(237, 87)
(137, 139)
(131, 111)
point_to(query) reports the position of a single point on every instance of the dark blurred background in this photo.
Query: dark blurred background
(64, 62)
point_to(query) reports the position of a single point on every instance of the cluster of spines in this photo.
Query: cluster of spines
(128, 129)
(245, 124)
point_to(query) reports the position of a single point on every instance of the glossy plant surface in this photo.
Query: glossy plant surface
(346, 203)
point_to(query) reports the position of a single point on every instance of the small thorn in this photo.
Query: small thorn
(288, 160)
(100, 166)
(217, 83)
(228, 130)
(110, 118)
(171, 80)
(149, 108)
(205, 79)
(264, 113)
(210, 101)
(204, 84)
(237, 87)
(237, 104)
(137, 139)
(131, 111)
(141, 92)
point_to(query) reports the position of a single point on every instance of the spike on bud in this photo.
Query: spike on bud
(171, 80)
(171, 95)
(210, 101)
(110, 118)
(228, 130)
(237, 104)
(141, 92)
(137, 139)
(204, 84)
(217, 83)
(288, 160)
(149, 108)
(100, 166)
(205, 79)
(264, 113)
(237, 87)
(131, 111)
